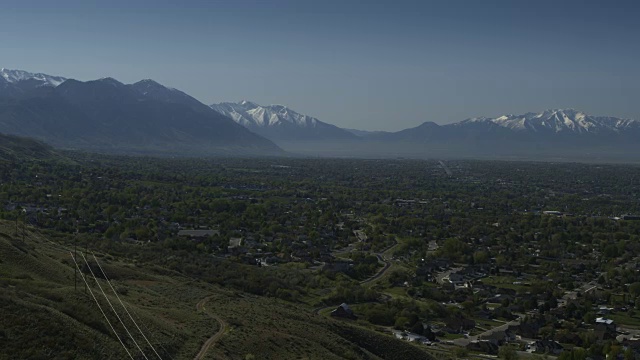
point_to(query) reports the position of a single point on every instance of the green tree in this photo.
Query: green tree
(508, 353)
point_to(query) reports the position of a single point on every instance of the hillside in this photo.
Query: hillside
(14, 148)
(43, 314)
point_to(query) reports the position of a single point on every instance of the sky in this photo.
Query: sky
(372, 65)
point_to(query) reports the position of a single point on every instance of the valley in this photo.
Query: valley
(237, 257)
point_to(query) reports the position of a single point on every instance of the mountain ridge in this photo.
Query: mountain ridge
(108, 115)
(558, 120)
(14, 76)
(280, 123)
(148, 117)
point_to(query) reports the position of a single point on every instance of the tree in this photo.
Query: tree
(508, 353)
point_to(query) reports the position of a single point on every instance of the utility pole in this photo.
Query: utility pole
(75, 256)
(77, 234)
(86, 251)
(24, 225)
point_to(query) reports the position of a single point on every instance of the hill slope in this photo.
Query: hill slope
(18, 148)
(42, 314)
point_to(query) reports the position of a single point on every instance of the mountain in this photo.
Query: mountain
(15, 76)
(551, 133)
(153, 90)
(546, 126)
(559, 121)
(107, 115)
(19, 83)
(281, 124)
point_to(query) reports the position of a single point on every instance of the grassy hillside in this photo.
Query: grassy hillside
(43, 316)
(14, 148)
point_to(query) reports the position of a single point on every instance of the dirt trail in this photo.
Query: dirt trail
(212, 340)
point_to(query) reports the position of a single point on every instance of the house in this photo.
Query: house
(544, 347)
(410, 337)
(499, 337)
(198, 234)
(455, 278)
(344, 311)
(483, 346)
(235, 242)
(605, 329)
(235, 246)
(458, 324)
(631, 217)
(604, 310)
(633, 343)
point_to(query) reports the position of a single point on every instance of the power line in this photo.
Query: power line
(112, 308)
(100, 307)
(124, 307)
(61, 247)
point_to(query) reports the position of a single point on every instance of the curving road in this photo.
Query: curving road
(383, 260)
(212, 340)
(387, 265)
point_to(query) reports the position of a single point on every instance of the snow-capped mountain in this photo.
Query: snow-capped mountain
(15, 76)
(250, 114)
(107, 115)
(278, 122)
(557, 121)
(565, 133)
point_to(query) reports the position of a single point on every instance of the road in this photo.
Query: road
(505, 326)
(380, 273)
(446, 168)
(377, 275)
(382, 259)
(212, 340)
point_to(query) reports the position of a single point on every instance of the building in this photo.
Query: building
(344, 311)
(545, 347)
(198, 234)
(605, 329)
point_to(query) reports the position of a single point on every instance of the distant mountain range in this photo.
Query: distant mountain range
(549, 125)
(550, 134)
(147, 117)
(279, 123)
(107, 115)
(562, 134)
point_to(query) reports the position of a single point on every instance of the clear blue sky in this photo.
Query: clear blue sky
(375, 65)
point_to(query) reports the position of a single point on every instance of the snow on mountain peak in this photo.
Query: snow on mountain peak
(248, 104)
(110, 81)
(250, 114)
(558, 121)
(14, 76)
